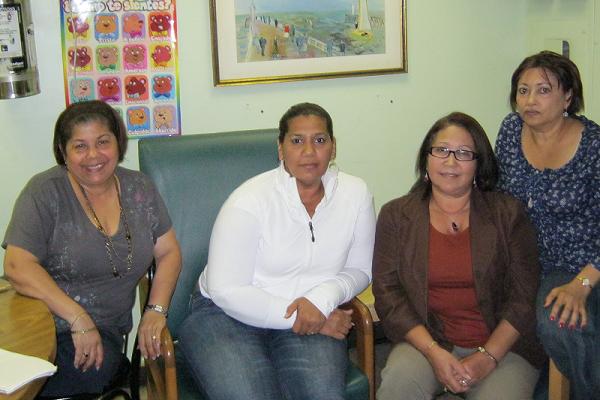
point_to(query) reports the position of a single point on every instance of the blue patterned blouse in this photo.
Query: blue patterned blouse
(563, 203)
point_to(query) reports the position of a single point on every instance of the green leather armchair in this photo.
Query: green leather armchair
(195, 174)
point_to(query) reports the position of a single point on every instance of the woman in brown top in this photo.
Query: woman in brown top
(455, 276)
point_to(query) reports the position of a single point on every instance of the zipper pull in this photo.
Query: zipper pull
(312, 233)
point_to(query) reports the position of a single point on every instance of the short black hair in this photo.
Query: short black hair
(81, 113)
(304, 109)
(486, 174)
(561, 67)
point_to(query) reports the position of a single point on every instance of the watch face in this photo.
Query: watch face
(585, 282)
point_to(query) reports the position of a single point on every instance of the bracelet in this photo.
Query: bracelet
(83, 331)
(482, 349)
(158, 308)
(76, 318)
(433, 343)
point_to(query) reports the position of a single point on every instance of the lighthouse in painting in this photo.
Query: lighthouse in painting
(363, 16)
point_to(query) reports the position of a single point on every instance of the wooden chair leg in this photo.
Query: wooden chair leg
(365, 350)
(559, 384)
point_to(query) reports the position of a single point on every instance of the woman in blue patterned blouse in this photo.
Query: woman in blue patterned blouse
(550, 159)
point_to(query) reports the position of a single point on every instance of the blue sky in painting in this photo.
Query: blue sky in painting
(242, 6)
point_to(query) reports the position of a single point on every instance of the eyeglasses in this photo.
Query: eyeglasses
(459, 154)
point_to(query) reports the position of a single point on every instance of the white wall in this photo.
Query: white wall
(549, 22)
(461, 54)
(460, 57)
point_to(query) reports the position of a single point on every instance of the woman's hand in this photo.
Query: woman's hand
(478, 366)
(338, 324)
(569, 304)
(87, 342)
(151, 326)
(448, 370)
(309, 320)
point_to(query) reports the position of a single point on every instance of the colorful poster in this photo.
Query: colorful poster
(124, 52)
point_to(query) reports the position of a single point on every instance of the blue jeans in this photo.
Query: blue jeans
(231, 360)
(576, 353)
(69, 380)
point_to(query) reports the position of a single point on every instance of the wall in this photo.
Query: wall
(460, 56)
(578, 22)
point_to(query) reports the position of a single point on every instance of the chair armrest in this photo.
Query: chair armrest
(558, 384)
(162, 374)
(143, 291)
(363, 326)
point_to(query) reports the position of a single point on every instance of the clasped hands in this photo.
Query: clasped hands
(309, 320)
(456, 375)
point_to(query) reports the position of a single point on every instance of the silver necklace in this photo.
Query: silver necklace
(108, 243)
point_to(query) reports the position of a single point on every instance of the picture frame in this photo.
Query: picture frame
(268, 41)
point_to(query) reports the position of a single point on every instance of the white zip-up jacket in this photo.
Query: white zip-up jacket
(265, 251)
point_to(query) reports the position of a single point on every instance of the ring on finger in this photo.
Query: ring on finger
(153, 337)
(86, 355)
(463, 382)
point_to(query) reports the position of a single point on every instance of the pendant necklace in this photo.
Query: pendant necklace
(454, 226)
(108, 243)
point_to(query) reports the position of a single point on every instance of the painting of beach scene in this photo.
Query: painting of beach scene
(277, 30)
(256, 41)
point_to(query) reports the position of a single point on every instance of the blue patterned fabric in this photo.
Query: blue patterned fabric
(563, 203)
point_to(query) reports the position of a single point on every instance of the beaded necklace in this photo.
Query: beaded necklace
(108, 243)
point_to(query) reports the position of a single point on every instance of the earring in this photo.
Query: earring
(474, 181)
(426, 177)
(565, 113)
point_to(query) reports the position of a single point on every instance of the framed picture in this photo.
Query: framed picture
(266, 41)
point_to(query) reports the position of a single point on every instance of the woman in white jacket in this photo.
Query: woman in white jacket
(288, 247)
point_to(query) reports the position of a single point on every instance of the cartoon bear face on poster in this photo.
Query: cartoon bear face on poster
(109, 89)
(106, 27)
(82, 89)
(138, 119)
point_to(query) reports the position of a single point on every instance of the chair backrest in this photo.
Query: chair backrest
(194, 175)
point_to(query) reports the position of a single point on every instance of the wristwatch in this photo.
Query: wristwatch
(585, 281)
(158, 308)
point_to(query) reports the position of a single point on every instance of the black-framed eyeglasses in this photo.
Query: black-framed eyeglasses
(459, 154)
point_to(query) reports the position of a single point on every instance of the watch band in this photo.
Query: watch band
(158, 308)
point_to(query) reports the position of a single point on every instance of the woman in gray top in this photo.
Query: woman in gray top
(81, 236)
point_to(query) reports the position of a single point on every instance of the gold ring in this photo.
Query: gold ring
(153, 337)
